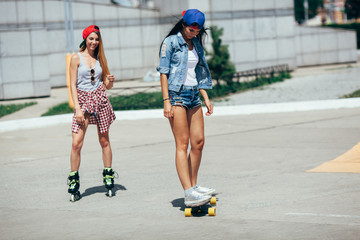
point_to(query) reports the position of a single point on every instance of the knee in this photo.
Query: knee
(182, 146)
(77, 145)
(104, 143)
(198, 144)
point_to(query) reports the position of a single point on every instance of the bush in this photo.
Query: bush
(299, 10)
(355, 94)
(224, 89)
(219, 64)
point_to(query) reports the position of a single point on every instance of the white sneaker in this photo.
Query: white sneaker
(204, 190)
(196, 199)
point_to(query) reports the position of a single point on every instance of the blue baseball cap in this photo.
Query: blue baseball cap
(191, 16)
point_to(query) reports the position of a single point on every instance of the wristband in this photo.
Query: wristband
(165, 99)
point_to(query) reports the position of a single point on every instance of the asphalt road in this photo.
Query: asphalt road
(257, 163)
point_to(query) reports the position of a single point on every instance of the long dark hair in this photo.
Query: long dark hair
(179, 26)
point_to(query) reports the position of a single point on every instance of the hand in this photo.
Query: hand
(79, 116)
(168, 110)
(209, 107)
(111, 78)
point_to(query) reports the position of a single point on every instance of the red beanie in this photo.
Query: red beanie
(90, 29)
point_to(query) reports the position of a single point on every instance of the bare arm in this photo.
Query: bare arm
(207, 101)
(74, 64)
(168, 113)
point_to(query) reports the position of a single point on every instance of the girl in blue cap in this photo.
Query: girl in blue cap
(184, 74)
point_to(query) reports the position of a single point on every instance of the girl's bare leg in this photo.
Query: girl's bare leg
(180, 129)
(77, 143)
(196, 126)
(106, 148)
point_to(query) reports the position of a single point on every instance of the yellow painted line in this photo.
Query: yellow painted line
(349, 162)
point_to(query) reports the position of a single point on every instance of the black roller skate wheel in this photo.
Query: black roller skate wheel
(110, 193)
(74, 197)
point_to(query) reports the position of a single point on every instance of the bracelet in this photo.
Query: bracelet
(165, 99)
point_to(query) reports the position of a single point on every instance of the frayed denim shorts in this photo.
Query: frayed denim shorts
(187, 97)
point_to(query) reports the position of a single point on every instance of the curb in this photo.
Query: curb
(30, 123)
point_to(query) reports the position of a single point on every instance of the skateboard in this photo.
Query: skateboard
(203, 208)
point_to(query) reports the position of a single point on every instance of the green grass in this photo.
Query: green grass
(62, 108)
(355, 94)
(131, 102)
(225, 90)
(154, 100)
(137, 101)
(10, 108)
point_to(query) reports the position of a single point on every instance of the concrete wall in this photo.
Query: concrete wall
(24, 63)
(259, 33)
(131, 38)
(317, 46)
(262, 33)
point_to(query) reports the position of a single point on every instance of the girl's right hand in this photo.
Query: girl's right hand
(168, 111)
(79, 116)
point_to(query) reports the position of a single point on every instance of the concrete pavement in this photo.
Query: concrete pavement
(256, 162)
(256, 156)
(306, 84)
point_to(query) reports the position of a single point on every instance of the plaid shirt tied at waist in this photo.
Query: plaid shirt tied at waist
(97, 104)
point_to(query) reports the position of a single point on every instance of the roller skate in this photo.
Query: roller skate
(109, 174)
(74, 185)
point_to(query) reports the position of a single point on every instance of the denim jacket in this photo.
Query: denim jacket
(173, 62)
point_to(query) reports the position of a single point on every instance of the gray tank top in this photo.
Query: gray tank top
(84, 76)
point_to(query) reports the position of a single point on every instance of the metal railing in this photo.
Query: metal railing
(267, 72)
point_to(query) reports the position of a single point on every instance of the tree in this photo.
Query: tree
(220, 66)
(352, 9)
(300, 10)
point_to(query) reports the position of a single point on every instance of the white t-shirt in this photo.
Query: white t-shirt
(190, 77)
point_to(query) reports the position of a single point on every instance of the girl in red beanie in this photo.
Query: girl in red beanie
(89, 77)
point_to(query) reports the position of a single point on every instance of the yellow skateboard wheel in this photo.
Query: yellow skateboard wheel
(187, 212)
(211, 212)
(213, 201)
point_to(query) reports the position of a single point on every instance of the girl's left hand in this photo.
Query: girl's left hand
(111, 78)
(209, 107)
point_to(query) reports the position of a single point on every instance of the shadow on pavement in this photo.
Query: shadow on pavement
(102, 189)
(179, 203)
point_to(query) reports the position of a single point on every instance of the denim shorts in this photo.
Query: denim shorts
(187, 97)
